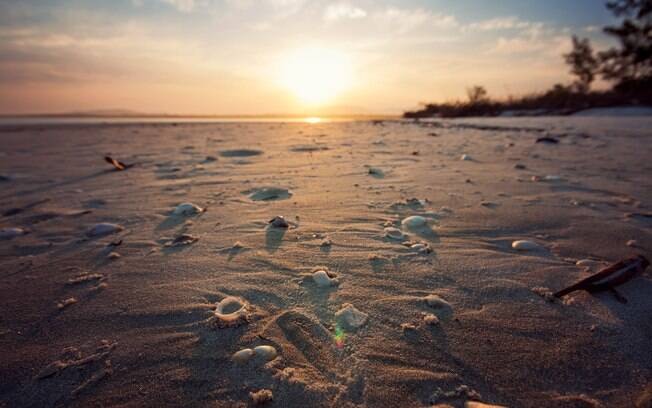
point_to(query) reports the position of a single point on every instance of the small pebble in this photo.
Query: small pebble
(65, 303)
(350, 318)
(632, 243)
(11, 233)
(267, 353)
(414, 221)
(394, 233)
(243, 356)
(322, 279)
(436, 301)
(261, 397)
(465, 157)
(279, 222)
(104, 228)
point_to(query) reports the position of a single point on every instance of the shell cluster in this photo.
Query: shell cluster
(264, 353)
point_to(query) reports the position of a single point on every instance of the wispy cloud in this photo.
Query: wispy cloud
(501, 23)
(404, 20)
(342, 11)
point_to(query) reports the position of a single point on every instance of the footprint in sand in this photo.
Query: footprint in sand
(305, 342)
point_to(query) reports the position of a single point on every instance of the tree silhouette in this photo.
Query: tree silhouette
(631, 62)
(476, 94)
(583, 64)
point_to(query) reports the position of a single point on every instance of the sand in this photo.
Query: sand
(143, 330)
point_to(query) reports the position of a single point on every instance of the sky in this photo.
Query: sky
(230, 57)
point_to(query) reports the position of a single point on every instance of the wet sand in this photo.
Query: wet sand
(127, 317)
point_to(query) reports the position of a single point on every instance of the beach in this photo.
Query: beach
(437, 310)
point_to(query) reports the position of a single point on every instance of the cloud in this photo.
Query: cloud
(405, 20)
(501, 23)
(341, 11)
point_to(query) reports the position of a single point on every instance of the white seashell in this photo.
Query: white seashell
(524, 245)
(436, 302)
(394, 233)
(322, 279)
(350, 318)
(104, 228)
(11, 233)
(243, 356)
(185, 209)
(231, 311)
(268, 353)
(415, 221)
(465, 157)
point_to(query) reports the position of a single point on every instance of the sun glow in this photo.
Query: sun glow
(316, 75)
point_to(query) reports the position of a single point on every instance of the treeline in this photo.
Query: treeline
(628, 67)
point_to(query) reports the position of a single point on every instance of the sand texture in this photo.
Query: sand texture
(108, 294)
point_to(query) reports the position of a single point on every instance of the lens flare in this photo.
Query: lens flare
(339, 337)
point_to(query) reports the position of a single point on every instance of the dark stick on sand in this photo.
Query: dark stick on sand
(119, 166)
(611, 276)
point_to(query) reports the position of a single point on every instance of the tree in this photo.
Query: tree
(632, 61)
(476, 94)
(583, 63)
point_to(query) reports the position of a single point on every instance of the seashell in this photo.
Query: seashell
(243, 356)
(431, 319)
(11, 233)
(465, 157)
(269, 193)
(104, 228)
(524, 245)
(279, 222)
(436, 302)
(322, 279)
(267, 353)
(231, 312)
(632, 243)
(394, 233)
(350, 318)
(414, 221)
(422, 248)
(261, 397)
(181, 240)
(113, 255)
(185, 209)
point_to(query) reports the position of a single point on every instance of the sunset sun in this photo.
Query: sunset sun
(315, 76)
